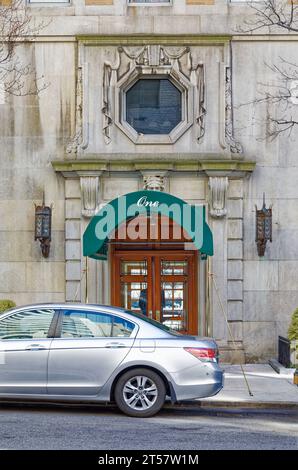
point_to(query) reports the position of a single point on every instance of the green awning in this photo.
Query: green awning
(129, 206)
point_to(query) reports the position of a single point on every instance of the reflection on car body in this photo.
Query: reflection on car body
(98, 353)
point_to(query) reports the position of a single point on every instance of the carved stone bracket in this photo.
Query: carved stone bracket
(154, 181)
(235, 146)
(90, 193)
(218, 186)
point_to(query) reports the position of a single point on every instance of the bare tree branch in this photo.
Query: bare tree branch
(281, 95)
(271, 15)
(281, 98)
(16, 26)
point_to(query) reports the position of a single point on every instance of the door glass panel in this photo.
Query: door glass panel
(173, 304)
(27, 324)
(173, 268)
(134, 268)
(134, 296)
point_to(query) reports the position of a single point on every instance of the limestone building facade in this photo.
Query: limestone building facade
(82, 143)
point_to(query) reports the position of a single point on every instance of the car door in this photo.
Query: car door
(24, 349)
(90, 346)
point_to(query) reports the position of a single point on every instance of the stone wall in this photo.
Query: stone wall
(269, 285)
(33, 131)
(259, 295)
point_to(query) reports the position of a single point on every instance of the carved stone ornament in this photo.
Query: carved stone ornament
(235, 146)
(90, 186)
(154, 182)
(218, 186)
(197, 77)
(77, 140)
(131, 63)
(109, 80)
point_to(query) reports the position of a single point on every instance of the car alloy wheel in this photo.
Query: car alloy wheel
(140, 392)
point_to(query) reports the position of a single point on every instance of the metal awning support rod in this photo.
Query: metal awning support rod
(229, 329)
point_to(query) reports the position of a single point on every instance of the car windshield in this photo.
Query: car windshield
(154, 323)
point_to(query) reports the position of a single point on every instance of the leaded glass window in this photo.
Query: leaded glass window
(153, 106)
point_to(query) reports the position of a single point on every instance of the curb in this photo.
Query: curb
(235, 405)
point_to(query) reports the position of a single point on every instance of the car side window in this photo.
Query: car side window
(122, 327)
(27, 324)
(82, 324)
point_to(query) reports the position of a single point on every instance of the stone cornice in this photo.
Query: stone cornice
(161, 39)
(145, 39)
(219, 166)
(265, 37)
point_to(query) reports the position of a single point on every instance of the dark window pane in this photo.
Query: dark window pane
(86, 324)
(82, 324)
(33, 324)
(122, 327)
(153, 106)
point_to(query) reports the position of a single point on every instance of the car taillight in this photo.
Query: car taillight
(204, 354)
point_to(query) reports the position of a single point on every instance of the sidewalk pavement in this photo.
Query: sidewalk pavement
(270, 389)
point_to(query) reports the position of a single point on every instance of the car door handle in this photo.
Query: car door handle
(115, 345)
(35, 347)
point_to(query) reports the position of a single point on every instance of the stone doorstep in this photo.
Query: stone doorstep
(280, 369)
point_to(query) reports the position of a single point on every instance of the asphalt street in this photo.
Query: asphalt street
(99, 428)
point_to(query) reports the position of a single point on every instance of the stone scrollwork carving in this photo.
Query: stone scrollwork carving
(77, 140)
(131, 62)
(154, 55)
(235, 146)
(109, 81)
(171, 55)
(90, 186)
(139, 55)
(218, 186)
(198, 78)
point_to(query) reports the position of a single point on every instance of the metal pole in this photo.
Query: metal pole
(230, 331)
(86, 281)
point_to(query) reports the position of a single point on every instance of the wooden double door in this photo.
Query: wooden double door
(159, 284)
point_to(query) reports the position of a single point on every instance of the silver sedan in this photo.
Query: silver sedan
(94, 353)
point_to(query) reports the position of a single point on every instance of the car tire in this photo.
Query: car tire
(140, 393)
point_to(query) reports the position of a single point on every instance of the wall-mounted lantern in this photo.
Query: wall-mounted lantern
(43, 226)
(263, 227)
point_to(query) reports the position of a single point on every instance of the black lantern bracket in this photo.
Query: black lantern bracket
(43, 227)
(263, 227)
